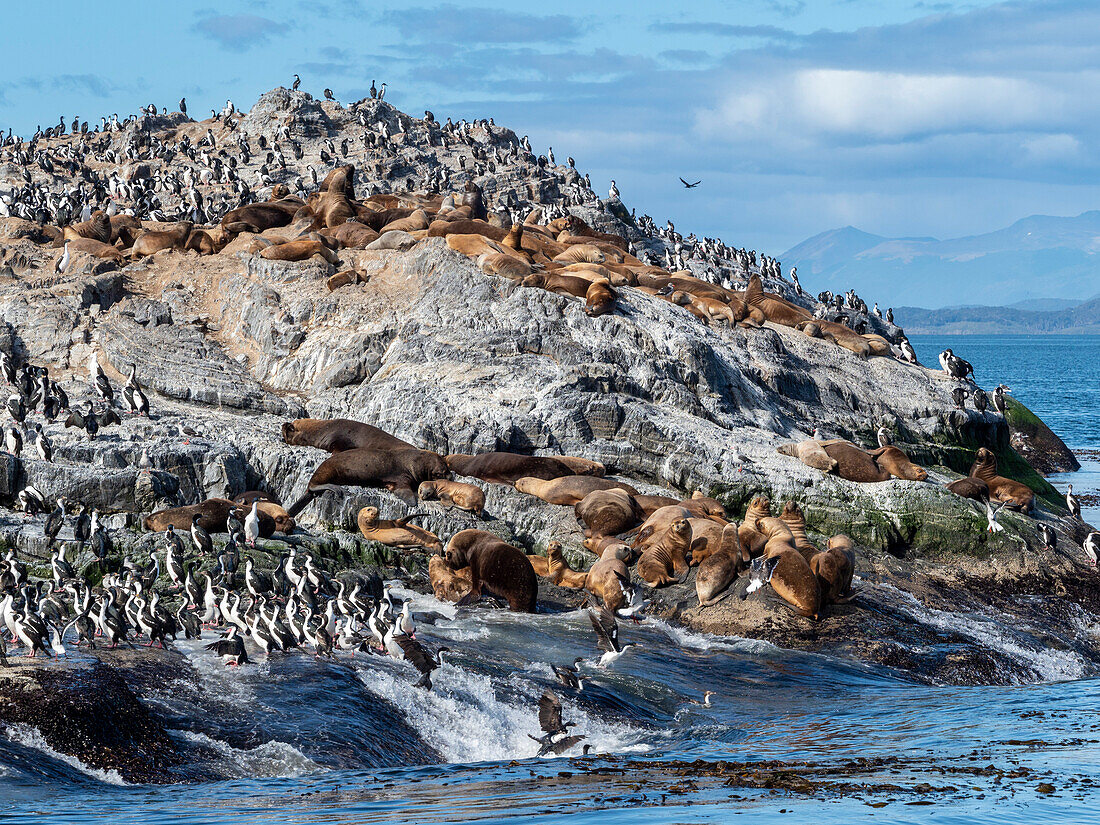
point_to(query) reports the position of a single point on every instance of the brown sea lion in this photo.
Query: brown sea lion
(665, 561)
(301, 249)
(400, 471)
(256, 217)
(607, 512)
(834, 568)
(496, 568)
(854, 463)
(650, 504)
(341, 179)
(794, 581)
(599, 299)
(606, 578)
(506, 468)
(337, 434)
(657, 523)
(97, 228)
(150, 242)
(775, 309)
(796, 521)
(897, 464)
(705, 506)
(841, 336)
(353, 234)
(706, 539)
(267, 504)
(973, 488)
(582, 466)
(719, 570)
(569, 285)
(600, 545)
(396, 532)
(1017, 495)
(568, 490)
(96, 248)
(507, 266)
(453, 493)
(214, 513)
(554, 567)
(448, 584)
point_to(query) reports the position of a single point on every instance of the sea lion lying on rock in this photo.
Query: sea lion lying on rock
(214, 513)
(507, 468)
(338, 434)
(151, 242)
(972, 488)
(496, 569)
(453, 494)
(400, 471)
(606, 579)
(396, 532)
(854, 463)
(266, 503)
(607, 512)
(1018, 496)
(568, 490)
(794, 581)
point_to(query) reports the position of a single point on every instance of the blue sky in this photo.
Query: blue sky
(901, 118)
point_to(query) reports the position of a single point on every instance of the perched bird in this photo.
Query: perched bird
(297, 82)
(884, 439)
(1073, 504)
(1092, 547)
(328, 95)
(999, 402)
(1049, 537)
(52, 526)
(959, 396)
(42, 444)
(203, 543)
(183, 105)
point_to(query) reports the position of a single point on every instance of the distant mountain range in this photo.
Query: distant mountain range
(1077, 318)
(1047, 263)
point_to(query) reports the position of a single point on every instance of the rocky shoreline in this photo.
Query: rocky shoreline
(428, 347)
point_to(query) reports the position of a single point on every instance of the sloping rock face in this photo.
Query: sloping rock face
(433, 350)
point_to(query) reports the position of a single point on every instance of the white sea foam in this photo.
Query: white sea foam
(269, 759)
(31, 737)
(465, 718)
(1048, 664)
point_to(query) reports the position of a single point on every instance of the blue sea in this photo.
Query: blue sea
(296, 740)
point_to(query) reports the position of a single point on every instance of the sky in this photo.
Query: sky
(900, 117)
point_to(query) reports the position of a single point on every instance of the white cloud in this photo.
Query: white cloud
(884, 105)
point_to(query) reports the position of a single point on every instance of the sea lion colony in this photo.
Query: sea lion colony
(159, 184)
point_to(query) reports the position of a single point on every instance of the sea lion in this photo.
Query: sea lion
(266, 503)
(657, 523)
(256, 217)
(599, 299)
(496, 568)
(338, 434)
(794, 581)
(796, 521)
(554, 567)
(400, 471)
(607, 512)
(601, 545)
(606, 578)
(973, 488)
(354, 235)
(341, 179)
(506, 468)
(568, 490)
(775, 309)
(150, 242)
(97, 248)
(721, 568)
(507, 266)
(705, 506)
(582, 466)
(396, 532)
(706, 539)
(1015, 494)
(301, 249)
(667, 556)
(854, 463)
(569, 285)
(214, 513)
(650, 504)
(448, 584)
(97, 228)
(834, 568)
(453, 493)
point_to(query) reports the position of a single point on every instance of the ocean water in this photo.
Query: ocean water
(791, 736)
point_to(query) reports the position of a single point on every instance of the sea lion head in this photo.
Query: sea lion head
(368, 516)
